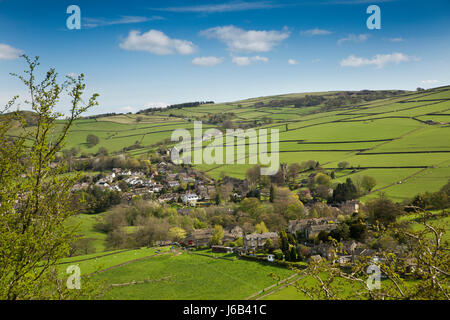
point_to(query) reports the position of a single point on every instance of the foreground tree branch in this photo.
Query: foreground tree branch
(34, 195)
(420, 272)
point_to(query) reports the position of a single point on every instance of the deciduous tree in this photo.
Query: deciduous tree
(34, 194)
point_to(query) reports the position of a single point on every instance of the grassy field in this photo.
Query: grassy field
(389, 137)
(181, 275)
(171, 274)
(101, 261)
(84, 225)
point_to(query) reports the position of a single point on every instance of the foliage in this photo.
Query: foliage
(34, 195)
(253, 175)
(261, 228)
(383, 210)
(345, 191)
(343, 165)
(420, 272)
(293, 170)
(368, 183)
(94, 200)
(433, 200)
(218, 234)
(268, 246)
(177, 233)
(92, 140)
(322, 179)
(341, 233)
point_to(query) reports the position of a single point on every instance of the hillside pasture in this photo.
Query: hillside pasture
(389, 132)
(187, 276)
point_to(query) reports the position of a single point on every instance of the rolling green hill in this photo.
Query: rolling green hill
(402, 141)
(399, 138)
(174, 274)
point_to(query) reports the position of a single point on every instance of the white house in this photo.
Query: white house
(190, 198)
(173, 184)
(116, 188)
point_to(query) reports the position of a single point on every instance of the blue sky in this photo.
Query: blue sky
(140, 54)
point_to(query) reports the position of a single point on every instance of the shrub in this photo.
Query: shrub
(92, 140)
(278, 254)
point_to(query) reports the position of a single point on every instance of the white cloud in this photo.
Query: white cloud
(127, 109)
(245, 61)
(223, 7)
(241, 61)
(396, 39)
(100, 22)
(207, 61)
(380, 60)
(430, 81)
(246, 41)
(156, 42)
(9, 53)
(315, 60)
(315, 32)
(258, 58)
(292, 61)
(354, 38)
(155, 105)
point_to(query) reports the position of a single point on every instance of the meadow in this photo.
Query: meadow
(387, 139)
(392, 139)
(165, 273)
(175, 275)
(84, 225)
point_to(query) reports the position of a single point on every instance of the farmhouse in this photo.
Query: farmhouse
(324, 250)
(232, 233)
(314, 230)
(238, 184)
(350, 206)
(167, 197)
(173, 184)
(311, 227)
(199, 237)
(258, 240)
(296, 225)
(190, 198)
(203, 192)
(202, 237)
(188, 179)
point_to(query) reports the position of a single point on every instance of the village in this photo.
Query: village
(185, 188)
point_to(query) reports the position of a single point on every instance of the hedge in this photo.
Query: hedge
(288, 264)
